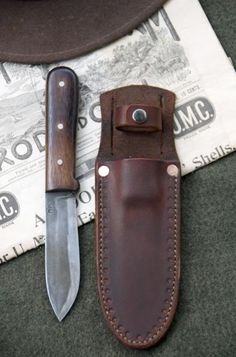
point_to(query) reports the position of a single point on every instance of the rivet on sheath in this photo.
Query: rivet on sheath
(60, 126)
(60, 162)
(139, 116)
(103, 171)
(173, 170)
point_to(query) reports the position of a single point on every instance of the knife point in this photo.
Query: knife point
(59, 314)
(59, 317)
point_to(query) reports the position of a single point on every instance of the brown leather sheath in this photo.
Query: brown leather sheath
(138, 214)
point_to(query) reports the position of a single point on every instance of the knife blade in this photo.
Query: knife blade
(62, 258)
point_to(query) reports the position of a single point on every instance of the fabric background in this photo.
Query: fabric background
(205, 323)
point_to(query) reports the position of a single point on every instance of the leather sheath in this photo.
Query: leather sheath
(138, 214)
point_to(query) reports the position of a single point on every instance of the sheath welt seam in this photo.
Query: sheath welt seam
(103, 279)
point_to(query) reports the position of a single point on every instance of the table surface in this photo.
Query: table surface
(205, 323)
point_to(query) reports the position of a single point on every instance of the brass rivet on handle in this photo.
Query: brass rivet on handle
(173, 170)
(103, 171)
(61, 84)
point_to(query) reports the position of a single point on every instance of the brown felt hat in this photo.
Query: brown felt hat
(44, 31)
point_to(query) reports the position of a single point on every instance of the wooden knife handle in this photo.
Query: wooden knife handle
(61, 119)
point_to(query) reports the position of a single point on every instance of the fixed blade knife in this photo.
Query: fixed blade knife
(62, 258)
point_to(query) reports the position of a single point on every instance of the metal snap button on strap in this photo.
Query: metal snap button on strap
(139, 116)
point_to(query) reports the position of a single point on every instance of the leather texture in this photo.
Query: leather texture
(138, 215)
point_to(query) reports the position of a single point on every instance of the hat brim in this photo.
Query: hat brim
(49, 31)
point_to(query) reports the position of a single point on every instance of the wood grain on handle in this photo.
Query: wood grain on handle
(62, 109)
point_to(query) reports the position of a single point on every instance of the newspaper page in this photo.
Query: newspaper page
(175, 49)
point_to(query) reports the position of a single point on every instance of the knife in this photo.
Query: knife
(62, 258)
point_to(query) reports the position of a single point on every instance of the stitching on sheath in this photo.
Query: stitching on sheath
(172, 238)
